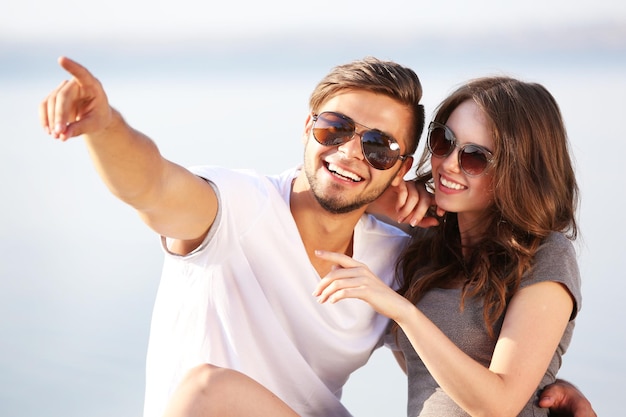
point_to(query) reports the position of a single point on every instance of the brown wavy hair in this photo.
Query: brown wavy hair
(535, 193)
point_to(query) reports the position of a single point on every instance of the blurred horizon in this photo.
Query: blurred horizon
(603, 40)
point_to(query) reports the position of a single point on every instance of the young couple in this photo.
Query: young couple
(260, 309)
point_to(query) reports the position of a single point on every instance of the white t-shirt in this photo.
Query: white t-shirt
(243, 300)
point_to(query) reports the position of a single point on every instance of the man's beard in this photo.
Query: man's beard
(337, 204)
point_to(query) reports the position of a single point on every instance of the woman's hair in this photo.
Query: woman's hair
(534, 193)
(381, 77)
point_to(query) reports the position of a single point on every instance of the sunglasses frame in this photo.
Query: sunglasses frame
(364, 131)
(449, 134)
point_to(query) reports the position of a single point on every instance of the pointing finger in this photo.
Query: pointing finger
(78, 106)
(80, 73)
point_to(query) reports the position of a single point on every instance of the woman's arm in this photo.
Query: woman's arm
(535, 321)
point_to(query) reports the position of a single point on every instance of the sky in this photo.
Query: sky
(32, 20)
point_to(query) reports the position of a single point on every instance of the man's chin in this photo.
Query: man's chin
(340, 207)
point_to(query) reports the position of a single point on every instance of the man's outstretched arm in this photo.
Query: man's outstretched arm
(170, 199)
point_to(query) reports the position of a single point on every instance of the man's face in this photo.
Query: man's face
(339, 176)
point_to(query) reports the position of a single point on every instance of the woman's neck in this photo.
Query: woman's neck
(472, 231)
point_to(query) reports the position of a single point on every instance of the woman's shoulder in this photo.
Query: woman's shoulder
(555, 244)
(556, 261)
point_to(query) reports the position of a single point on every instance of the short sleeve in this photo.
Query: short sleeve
(556, 261)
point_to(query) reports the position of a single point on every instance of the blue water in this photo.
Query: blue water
(79, 271)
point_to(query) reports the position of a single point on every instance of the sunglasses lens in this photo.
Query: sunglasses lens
(379, 150)
(438, 143)
(333, 129)
(473, 160)
(330, 129)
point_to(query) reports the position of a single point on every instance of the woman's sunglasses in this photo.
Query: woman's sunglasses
(381, 151)
(473, 159)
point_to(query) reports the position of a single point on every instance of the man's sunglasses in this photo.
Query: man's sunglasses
(381, 151)
(473, 159)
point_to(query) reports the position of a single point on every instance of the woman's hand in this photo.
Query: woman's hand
(352, 279)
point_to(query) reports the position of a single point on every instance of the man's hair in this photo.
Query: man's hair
(382, 77)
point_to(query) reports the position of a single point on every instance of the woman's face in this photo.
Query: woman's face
(455, 191)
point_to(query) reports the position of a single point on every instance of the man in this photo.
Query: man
(240, 262)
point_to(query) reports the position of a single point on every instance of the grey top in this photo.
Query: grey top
(555, 261)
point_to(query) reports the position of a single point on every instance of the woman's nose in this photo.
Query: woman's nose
(451, 162)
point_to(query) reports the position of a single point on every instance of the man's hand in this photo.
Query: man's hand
(77, 106)
(565, 400)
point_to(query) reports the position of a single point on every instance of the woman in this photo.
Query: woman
(498, 263)
(489, 296)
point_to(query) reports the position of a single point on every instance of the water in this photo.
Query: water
(79, 271)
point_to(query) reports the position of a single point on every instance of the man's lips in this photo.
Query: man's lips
(342, 173)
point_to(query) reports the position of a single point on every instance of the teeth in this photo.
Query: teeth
(452, 185)
(346, 174)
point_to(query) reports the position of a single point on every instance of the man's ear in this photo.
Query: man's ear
(404, 169)
(308, 125)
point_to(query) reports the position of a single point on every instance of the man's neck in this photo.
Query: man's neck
(320, 229)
